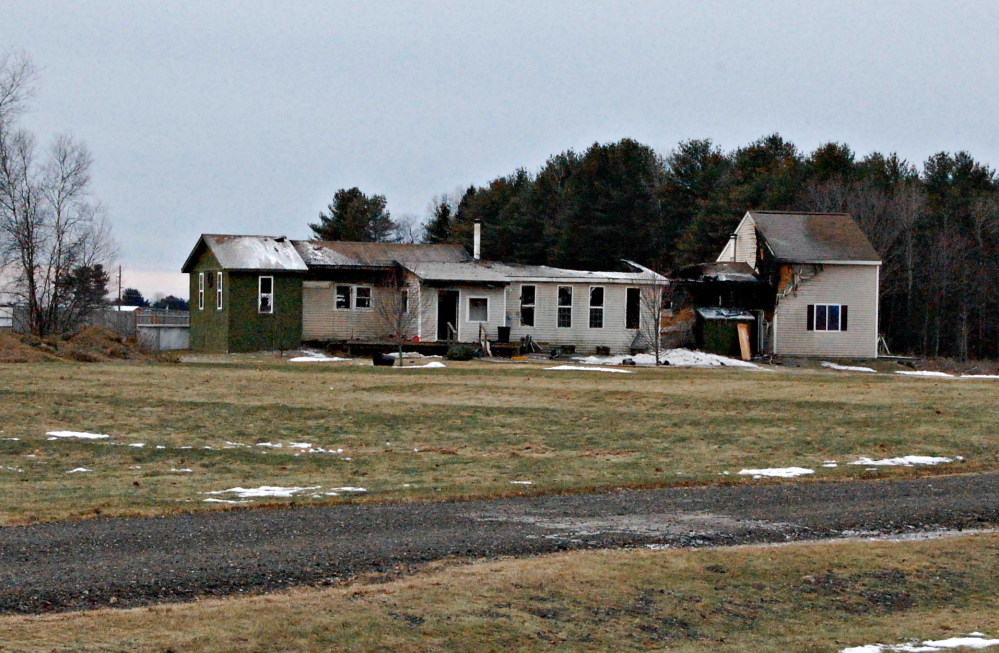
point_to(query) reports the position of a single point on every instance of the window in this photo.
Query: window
(596, 307)
(827, 317)
(478, 309)
(362, 297)
(404, 300)
(265, 295)
(201, 291)
(218, 293)
(343, 298)
(565, 307)
(527, 295)
(632, 308)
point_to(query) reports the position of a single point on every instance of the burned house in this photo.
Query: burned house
(823, 275)
(259, 292)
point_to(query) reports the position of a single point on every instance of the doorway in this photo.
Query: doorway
(447, 313)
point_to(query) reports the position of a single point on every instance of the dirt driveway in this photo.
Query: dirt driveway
(125, 562)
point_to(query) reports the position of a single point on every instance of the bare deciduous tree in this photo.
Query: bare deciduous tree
(51, 231)
(398, 307)
(654, 307)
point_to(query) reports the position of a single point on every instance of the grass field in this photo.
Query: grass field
(801, 597)
(470, 430)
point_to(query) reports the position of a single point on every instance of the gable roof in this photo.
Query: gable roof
(325, 253)
(814, 237)
(248, 253)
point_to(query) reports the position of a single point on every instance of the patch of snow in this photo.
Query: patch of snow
(265, 491)
(420, 367)
(235, 444)
(927, 373)
(138, 445)
(903, 461)
(675, 357)
(521, 482)
(848, 368)
(963, 376)
(411, 354)
(160, 446)
(830, 463)
(300, 445)
(77, 434)
(347, 489)
(777, 472)
(14, 439)
(183, 470)
(79, 469)
(973, 640)
(577, 368)
(224, 501)
(269, 444)
(312, 356)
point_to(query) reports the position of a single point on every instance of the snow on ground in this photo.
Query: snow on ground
(980, 376)
(419, 367)
(411, 354)
(312, 356)
(181, 471)
(521, 482)
(972, 640)
(578, 368)
(903, 461)
(137, 445)
(847, 368)
(269, 444)
(347, 488)
(936, 375)
(675, 357)
(76, 434)
(79, 469)
(265, 491)
(777, 472)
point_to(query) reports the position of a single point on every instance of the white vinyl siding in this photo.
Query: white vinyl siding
(744, 242)
(854, 286)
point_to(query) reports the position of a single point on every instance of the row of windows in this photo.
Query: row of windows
(528, 304)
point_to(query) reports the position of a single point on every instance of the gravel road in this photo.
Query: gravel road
(126, 562)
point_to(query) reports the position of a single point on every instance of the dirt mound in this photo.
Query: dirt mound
(14, 350)
(93, 344)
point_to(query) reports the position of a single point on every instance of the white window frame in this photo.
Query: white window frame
(350, 297)
(201, 291)
(603, 304)
(218, 292)
(468, 308)
(533, 306)
(839, 319)
(371, 298)
(261, 295)
(559, 306)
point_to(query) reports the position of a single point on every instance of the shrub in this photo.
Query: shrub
(461, 353)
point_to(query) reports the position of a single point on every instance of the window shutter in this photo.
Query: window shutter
(842, 318)
(811, 317)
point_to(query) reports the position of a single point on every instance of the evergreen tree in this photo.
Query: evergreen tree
(353, 216)
(438, 229)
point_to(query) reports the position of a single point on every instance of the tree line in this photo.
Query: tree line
(936, 226)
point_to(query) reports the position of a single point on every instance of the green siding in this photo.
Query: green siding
(239, 327)
(250, 330)
(209, 326)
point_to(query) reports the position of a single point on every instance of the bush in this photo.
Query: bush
(461, 353)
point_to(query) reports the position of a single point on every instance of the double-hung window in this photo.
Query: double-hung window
(201, 291)
(564, 307)
(527, 299)
(265, 295)
(596, 307)
(362, 297)
(478, 309)
(827, 317)
(218, 293)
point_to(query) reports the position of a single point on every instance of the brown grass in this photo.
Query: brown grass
(802, 597)
(462, 432)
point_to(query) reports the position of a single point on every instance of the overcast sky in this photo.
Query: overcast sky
(246, 116)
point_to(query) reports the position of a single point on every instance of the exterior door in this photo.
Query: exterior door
(447, 313)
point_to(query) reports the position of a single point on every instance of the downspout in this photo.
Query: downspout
(877, 308)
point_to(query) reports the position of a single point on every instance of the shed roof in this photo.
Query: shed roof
(248, 253)
(814, 237)
(323, 253)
